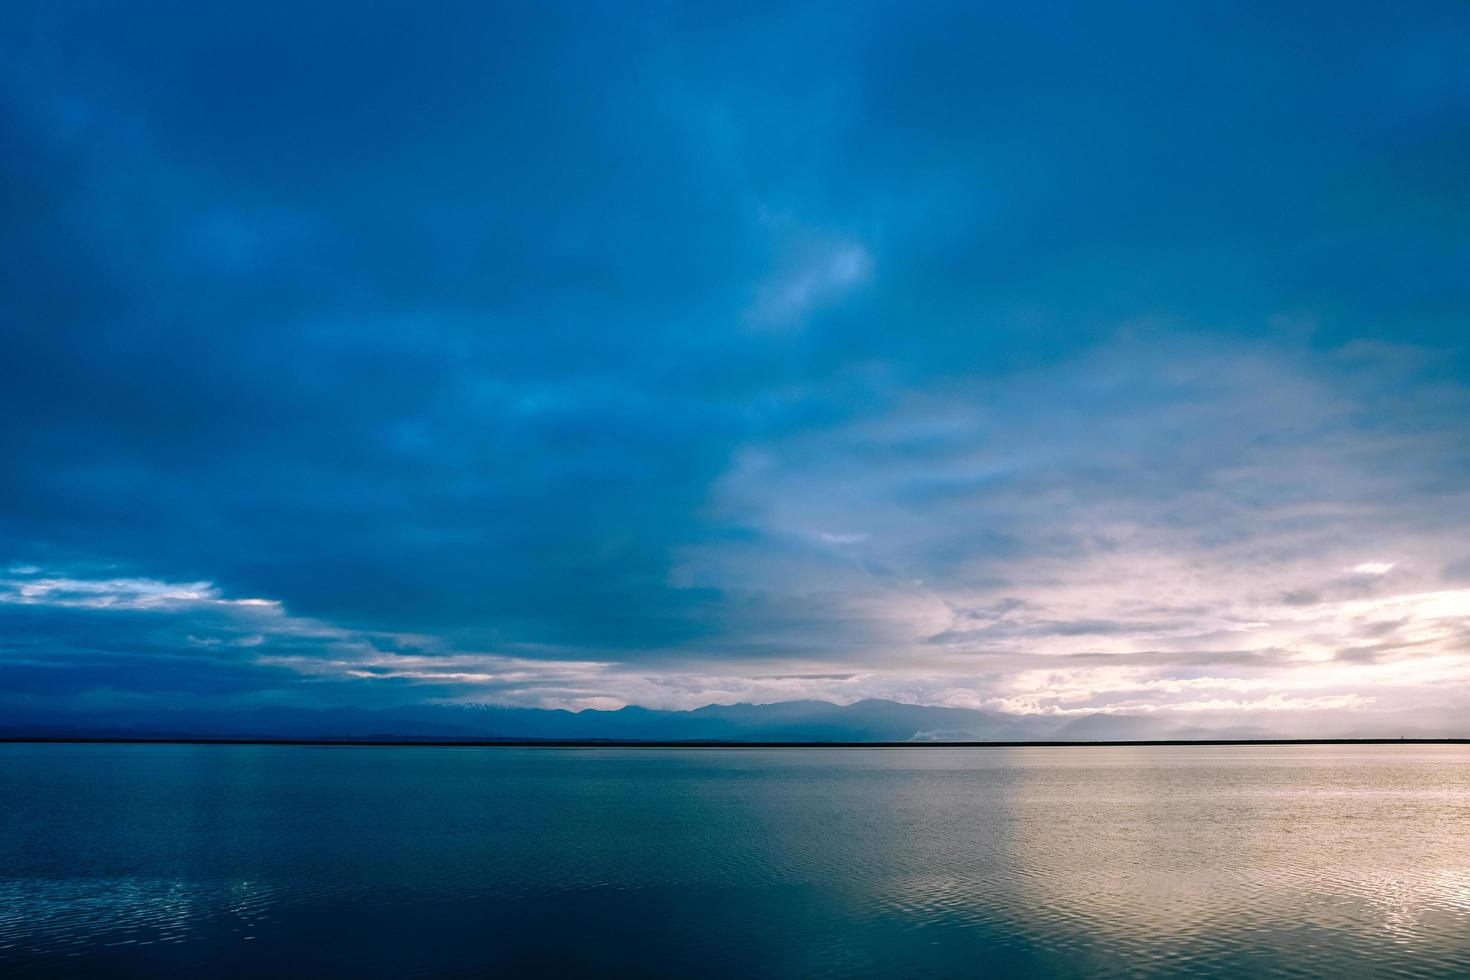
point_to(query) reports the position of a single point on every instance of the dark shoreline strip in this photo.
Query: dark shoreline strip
(557, 743)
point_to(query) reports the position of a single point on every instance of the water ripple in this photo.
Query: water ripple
(1297, 861)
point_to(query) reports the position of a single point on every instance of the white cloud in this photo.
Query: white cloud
(1373, 568)
(111, 593)
(828, 537)
(1111, 534)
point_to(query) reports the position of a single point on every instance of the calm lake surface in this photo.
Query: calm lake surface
(1200, 861)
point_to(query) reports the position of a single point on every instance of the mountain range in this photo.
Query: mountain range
(871, 720)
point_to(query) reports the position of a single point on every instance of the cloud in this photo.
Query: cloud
(30, 589)
(811, 281)
(76, 640)
(828, 537)
(675, 359)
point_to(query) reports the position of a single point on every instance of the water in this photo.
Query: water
(214, 860)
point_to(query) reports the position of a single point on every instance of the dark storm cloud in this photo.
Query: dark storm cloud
(699, 338)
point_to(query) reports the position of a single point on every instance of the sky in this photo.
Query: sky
(1041, 358)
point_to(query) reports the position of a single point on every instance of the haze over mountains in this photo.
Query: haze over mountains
(872, 720)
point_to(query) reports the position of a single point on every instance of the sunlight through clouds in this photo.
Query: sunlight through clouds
(749, 356)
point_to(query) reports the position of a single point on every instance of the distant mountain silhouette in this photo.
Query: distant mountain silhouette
(1113, 728)
(871, 720)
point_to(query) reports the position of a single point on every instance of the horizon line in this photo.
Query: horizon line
(551, 743)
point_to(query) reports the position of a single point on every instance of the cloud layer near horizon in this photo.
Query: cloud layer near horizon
(1036, 361)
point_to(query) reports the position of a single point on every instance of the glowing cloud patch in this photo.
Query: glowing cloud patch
(1374, 568)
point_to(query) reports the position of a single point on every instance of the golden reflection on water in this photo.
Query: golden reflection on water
(1225, 841)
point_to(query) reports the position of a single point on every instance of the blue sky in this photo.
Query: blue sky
(1041, 358)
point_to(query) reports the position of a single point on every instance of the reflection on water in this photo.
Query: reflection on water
(946, 862)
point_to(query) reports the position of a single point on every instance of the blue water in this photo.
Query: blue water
(1190, 861)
